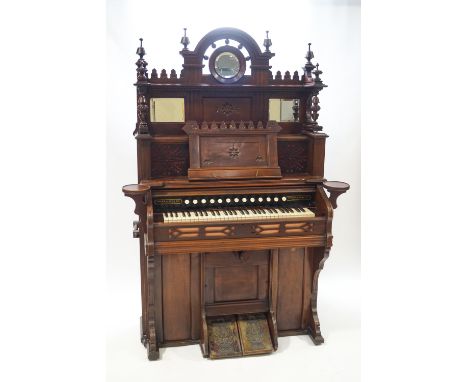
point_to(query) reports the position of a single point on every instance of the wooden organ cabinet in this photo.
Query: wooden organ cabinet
(234, 221)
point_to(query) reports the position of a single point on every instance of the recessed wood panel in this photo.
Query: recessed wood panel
(233, 151)
(290, 283)
(236, 283)
(226, 109)
(236, 276)
(176, 297)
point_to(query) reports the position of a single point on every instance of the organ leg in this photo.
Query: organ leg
(151, 340)
(144, 318)
(319, 256)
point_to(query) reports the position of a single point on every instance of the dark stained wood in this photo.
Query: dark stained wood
(290, 276)
(236, 276)
(199, 272)
(176, 287)
(232, 150)
(335, 189)
(195, 295)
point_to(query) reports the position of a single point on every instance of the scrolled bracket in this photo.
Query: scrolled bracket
(314, 328)
(140, 194)
(335, 189)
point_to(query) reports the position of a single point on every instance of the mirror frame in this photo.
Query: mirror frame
(239, 56)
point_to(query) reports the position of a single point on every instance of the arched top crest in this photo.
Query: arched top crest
(229, 33)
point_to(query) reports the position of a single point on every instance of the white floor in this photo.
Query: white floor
(338, 359)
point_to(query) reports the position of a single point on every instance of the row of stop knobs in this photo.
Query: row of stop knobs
(237, 200)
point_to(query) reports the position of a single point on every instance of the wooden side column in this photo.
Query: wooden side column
(143, 229)
(316, 161)
(317, 258)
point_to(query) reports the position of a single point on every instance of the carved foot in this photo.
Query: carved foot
(153, 351)
(314, 330)
(143, 338)
(317, 340)
(151, 343)
(318, 261)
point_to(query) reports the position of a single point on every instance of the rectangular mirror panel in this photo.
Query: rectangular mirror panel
(167, 110)
(282, 110)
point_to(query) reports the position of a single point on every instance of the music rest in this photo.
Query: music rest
(234, 222)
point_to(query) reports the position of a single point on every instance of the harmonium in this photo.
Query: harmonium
(234, 212)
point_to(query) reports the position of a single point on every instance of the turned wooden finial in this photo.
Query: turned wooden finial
(309, 66)
(141, 51)
(267, 42)
(317, 74)
(142, 72)
(185, 40)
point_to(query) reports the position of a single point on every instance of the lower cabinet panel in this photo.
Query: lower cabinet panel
(176, 297)
(290, 288)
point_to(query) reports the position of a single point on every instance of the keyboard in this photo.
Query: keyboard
(237, 214)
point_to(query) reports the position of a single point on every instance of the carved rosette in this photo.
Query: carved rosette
(227, 109)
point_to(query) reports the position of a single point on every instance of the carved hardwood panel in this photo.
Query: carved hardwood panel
(225, 109)
(169, 160)
(292, 156)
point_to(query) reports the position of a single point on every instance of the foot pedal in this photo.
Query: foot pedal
(236, 336)
(223, 337)
(254, 334)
